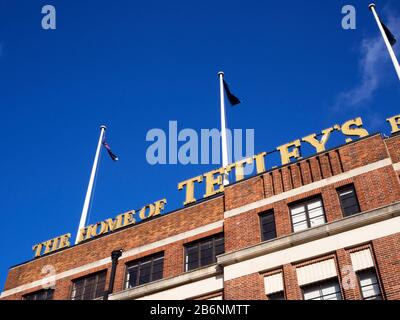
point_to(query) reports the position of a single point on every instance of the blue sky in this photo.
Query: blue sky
(136, 65)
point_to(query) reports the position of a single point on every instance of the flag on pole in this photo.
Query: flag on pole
(233, 100)
(389, 34)
(388, 37)
(112, 155)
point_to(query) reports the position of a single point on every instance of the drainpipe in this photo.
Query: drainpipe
(114, 258)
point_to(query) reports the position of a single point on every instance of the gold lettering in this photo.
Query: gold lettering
(129, 218)
(37, 248)
(54, 247)
(64, 241)
(142, 213)
(319, 145)
(91, 231)
(394, 123)
(348, 131)
(159, 206)
(211, 182)
(286, 155)
(260, 162)
(121, 220)
(189, 189)
(47, 246)
(82, 233)
(110, 224)
(239, 168)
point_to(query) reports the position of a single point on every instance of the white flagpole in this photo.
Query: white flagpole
(388, 45)
(85, 209)
(223, 128)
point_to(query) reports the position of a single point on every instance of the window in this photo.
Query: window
(276, 296)
(267, 222)
(307, 214)
(89, 287)
(203, 252)
(144, 270)
(348, 200)
(326, 290)
(273, 285)
(40, 295)
(369, 285)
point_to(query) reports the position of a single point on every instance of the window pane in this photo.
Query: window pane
(203, 252)
(268, 226)
(157, 269)
(333, 296)
(327, 290)
(100, 287)
(90, 287)
(206, 253)
(297, 209)
(348, 200)
(312, 293)
(314, 204)
(219, 246)
(192, 257)
(132, 276)
(370, 291)
(77, 292)
(46, 294)
(144, 273)
(317, 221)
(300, 226)
(315, 212)
(145, 270)
(298, 218)
(308, 214)
(330, 289)
(369, 285)
(276, 296)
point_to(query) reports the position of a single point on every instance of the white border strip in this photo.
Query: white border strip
(129, 253)
(309, 187)
(313, 248)
(396, 166)
(189, 290)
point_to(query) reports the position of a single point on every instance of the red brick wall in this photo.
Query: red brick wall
(142, 234)
(374, 189)
(249, 287)
(387, 256)
(393, 146)
(243, 193)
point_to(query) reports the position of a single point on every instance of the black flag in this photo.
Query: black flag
(112, 155)
(389, 35)
(233, 100)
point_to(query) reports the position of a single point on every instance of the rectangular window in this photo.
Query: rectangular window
(204, 252)
(326, 290)
(40, 295)
(89, 287)
(369, 285)
(276, 296)
(268, 230)
(307, 214)
(144, 270)
(348, 200)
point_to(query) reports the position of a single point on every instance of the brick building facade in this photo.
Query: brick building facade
(325, 227)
